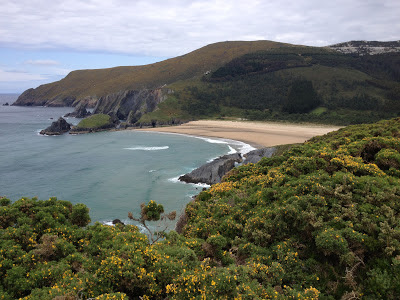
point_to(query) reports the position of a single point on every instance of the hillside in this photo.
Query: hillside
(90, 85)
(306, 84)
(259, 80)
(320, 221)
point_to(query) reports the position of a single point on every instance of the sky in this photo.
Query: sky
(41, 41)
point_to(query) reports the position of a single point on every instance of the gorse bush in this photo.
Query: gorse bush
(320, 221)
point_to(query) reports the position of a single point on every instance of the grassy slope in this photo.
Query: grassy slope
(95, 121)
(101, 82)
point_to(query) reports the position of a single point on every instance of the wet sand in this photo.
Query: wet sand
(257, 134)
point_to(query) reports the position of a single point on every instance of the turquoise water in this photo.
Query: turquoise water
(110, 172)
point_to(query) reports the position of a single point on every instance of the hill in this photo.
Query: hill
(305, 84)
(90, 85)
(320, 221)
(259, 80)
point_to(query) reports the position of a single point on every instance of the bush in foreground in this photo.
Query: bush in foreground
(320, 221)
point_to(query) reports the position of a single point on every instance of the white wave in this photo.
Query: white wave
(148, 148)
(242, 147)
(110, 222)
(151, 171)
(213, 141)
(176, 180)
(232, 150)
(202, 185)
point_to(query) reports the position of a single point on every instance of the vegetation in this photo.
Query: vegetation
(266, 86)
(320, 221)
(97, 121)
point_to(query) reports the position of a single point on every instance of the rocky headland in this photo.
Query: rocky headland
(95, 123)
(212, 172)
(256, 155)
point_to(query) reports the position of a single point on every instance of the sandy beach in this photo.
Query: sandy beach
(257, 134)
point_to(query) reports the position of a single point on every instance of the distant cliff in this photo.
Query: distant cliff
(132, 104)
(367, 47)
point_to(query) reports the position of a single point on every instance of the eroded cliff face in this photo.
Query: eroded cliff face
(130, 105)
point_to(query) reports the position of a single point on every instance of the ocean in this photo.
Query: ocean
(110, 172)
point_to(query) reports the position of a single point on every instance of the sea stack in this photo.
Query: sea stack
(56, 128)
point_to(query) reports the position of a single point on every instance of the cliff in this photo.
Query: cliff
(130, 105)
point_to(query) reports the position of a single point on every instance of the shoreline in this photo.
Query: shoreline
(256, 134)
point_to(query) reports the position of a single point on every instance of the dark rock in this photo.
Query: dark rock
(117, 221)
(79, 112)
(114, 118)
(56, 128)
(130, 105)
(212, 172)
(256, 155)
(6, 104)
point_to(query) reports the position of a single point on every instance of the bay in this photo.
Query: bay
(111, 172)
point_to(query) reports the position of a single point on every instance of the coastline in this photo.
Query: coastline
(256, 134)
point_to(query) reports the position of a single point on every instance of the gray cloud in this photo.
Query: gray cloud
(174, 27)
(15, 75)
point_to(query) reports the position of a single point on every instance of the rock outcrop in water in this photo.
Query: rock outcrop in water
(79, 112)
(56, 128)
(212, 172)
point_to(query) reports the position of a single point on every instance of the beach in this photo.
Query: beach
(257, 134)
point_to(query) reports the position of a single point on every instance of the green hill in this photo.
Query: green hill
(260, 80)
(93, 84)
(344, 89)
(320, 221)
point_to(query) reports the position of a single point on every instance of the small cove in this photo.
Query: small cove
(110, 172)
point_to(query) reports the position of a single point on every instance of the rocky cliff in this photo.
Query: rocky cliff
(132, 104)
(367, 47)
(32, 97)
(212, 172)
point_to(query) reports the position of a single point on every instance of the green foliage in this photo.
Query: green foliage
(320, 221)
(152, 211)
(302, 97)
(80, 215)
(97, 121)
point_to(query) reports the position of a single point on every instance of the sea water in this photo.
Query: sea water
(110, 172)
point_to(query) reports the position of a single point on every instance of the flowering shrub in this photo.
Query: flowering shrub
(320, 221)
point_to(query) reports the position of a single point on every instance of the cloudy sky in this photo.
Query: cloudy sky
(41, 41)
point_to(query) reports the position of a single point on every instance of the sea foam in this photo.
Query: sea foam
(148, 148)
